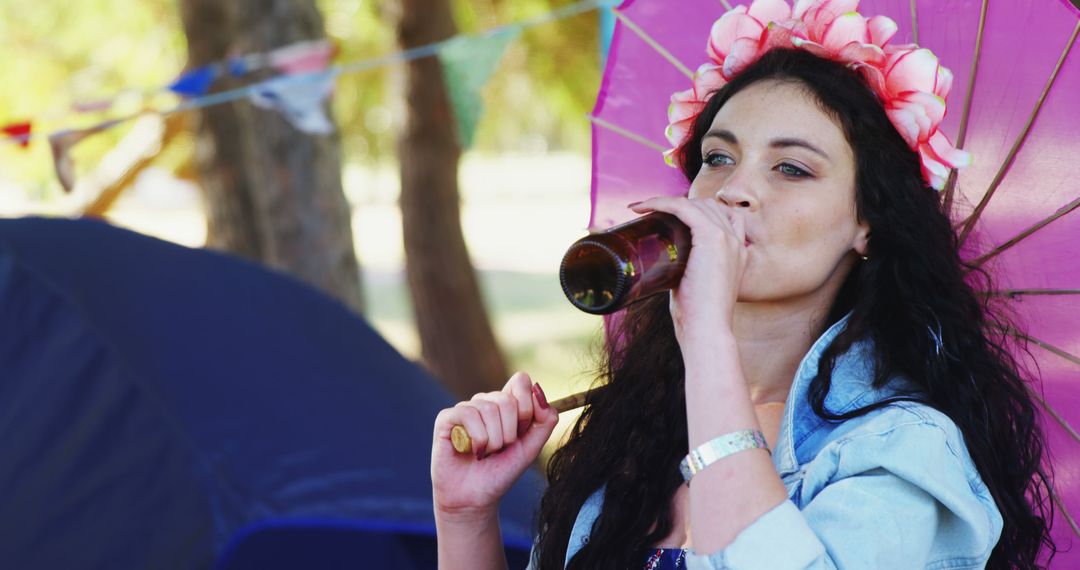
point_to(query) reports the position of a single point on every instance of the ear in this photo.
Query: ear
(861, 242)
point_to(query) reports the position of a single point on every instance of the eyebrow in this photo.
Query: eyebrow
(728, 136)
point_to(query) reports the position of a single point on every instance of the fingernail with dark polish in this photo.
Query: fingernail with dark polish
(540, 396)
(523, 426)
(480, 452)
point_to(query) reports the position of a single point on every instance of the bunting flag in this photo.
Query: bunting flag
(94, 106)
(303, 57)
(242, 65)
(195, 82)
(300, 57)
(468, 62)
(300, 99)
(19, 132)
(607, 32)
(62, 143)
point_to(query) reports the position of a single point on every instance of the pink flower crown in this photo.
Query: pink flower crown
(907, 79)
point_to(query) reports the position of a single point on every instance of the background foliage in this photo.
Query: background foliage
(59, 53)
(524, 184)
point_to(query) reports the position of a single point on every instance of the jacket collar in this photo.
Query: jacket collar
(851, 388)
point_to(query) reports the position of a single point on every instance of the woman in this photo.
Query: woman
(824, 307)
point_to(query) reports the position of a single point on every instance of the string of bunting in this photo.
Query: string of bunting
(305, 81)
(294, 58)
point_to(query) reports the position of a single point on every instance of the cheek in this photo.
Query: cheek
(803, 229)
(807, 244)
(705, 184)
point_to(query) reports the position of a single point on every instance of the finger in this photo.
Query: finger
(465, 414)
(720, 229)
(520, 387)
(713, 210)
(738, 225)
(658, 203)
(489, 411)
(546, 420)
(678, 206)
(507, 414)
(634, 205)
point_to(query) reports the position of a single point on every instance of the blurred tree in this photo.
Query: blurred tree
(456, 338)
(273, 193)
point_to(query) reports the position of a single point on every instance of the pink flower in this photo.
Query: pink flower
(818, 14)
(686, 105)
(735, 39)
(938, 154)
(915, 69)
(907, 79)
(835, 31)
(912, 85)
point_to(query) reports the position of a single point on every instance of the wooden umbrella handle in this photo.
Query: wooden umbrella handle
(463, 443)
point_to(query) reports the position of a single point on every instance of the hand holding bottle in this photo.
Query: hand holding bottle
(705, 296)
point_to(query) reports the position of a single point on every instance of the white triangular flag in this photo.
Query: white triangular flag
(300, 99)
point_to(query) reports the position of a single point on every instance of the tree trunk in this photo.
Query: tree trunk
(273, 193)
(457, 342)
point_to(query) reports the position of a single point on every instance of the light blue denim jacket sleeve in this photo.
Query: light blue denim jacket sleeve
(894, 488)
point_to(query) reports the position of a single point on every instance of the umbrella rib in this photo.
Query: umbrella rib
(914, 23)
(1013, 293)
(1046, 346)
(950, 185)
(1050, 488)
(1057, 417)
(1054, 414)
(626, 21)
(1038, 226)
(625, 133)
(1072, 358)
(1060, 505)
(974, 217)
(1072, 433)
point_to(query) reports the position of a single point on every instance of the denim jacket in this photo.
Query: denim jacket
(894, 488)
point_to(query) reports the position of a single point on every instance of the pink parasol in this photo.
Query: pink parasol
(1014, 105)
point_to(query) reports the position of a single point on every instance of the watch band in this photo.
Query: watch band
(715, 449)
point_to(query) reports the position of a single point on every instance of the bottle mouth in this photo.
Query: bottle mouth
(596, 279)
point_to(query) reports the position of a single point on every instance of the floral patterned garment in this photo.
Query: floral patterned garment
(666, 559)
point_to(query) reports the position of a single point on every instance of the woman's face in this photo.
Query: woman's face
(776, 158)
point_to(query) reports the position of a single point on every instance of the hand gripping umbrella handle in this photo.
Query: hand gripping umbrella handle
(463, 443)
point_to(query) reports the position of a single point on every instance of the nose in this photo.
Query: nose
(737, 194)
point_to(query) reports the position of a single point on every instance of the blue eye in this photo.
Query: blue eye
(711, 158)
(789, 169)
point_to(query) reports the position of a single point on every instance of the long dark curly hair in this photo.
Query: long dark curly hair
(913, 288)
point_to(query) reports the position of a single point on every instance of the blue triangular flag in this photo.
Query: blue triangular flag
(195, 82)
(237, 66)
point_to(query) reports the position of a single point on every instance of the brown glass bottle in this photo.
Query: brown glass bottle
(603, 272)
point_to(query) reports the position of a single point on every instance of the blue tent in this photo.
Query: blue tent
(163, 407)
